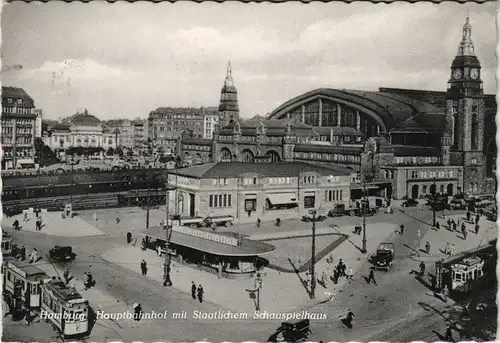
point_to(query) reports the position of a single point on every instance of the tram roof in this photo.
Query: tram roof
(247, 247)
(32, 273)
(62, 291)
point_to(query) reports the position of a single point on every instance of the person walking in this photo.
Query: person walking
(350, 274)
(468, 216)
(448, 335)
(477, 218)
(446, 293)
(438, 226)
(476, 228)
(144, 267)
(422, 268)
(158, 250)
(258, 222)
(452, 250)
(419, 234)
(349, 318)
(447, 248)
(129, 237)
(371, 277)
(94, 217)
(402, 229)
(66, 275)
(200, 293)
(25, 218)
(427, 247)
(193, 290)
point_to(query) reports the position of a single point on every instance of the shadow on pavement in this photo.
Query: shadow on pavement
(302, 281)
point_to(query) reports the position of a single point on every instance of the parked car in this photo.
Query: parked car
(384, 257)
(309, 218)
(62, 253)
(410, 203)
(457, 204)
(485, 200)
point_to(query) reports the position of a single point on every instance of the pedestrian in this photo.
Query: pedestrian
(446, 293)
(137, 312)
(422, 268)
(25, 219)
(350, 274)
(419, 234)
(129, 237)
(249, 213)
(438, 226)
(402, 229)
(349, 318)
(371, 277)
(258, 222)
(66, 275)
(94, 217)
(144, 267)
(468, 216)
(193, 290)
(454, 225)
(158, 250)
(447, 248)
(448, 222)
(476, 229)
(34, 256)
(117, 220)
(452, 250)
(200, 293)
(427, 247)
(477, 218)
(219, 270)
(448, 335)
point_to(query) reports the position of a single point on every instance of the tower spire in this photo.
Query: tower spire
(466, 47)
(229, 75)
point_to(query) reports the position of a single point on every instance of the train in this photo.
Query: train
(60, 305)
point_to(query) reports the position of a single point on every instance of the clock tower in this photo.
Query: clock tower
(465, 111)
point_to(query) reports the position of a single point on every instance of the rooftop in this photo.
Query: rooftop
(15, 94)
(234, 169)
(246, 248)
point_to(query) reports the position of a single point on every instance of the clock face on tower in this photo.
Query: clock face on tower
(457, 73)
(474, 73)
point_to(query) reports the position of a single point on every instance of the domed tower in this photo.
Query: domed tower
(465, 111)
(229, 110)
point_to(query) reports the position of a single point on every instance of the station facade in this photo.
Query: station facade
(408, 142)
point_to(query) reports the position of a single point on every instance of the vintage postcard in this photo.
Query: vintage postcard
(182, 172)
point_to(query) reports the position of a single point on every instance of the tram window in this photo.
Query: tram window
(9, 276)
(458, 276)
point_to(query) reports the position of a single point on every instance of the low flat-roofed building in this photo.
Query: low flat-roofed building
(248, 191)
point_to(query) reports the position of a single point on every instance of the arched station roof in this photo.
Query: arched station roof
(387, 108)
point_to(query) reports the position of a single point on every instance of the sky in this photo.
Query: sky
(123, 60)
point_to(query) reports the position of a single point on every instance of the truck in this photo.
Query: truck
(384, 256)
(353, 210)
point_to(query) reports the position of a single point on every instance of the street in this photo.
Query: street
(380, 309)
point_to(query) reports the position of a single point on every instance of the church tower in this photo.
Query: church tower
(465, 111)
(228, 107)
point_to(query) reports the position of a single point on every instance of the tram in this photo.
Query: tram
(59, 304)
(65, 308)
(29, 276)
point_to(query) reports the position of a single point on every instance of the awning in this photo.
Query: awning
(246, 248)
(282, 198)
(25, 161)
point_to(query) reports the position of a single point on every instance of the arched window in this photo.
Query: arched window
(474, 132)
(247, 156)
(225, 155)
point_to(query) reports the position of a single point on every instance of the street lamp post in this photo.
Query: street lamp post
(147, 209)
(72, 163)
(313, 257)
(434, 204)
(258, 286)
(363, 211)
(168, 233)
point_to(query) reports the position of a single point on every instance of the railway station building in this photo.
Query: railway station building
(404, 142)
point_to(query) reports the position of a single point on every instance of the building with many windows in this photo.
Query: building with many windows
(81, 134)
(394, 138)
(247, 191)
(18, 129)
(124, 130)
(210, 121)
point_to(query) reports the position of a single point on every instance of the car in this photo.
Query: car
(384, 257)
(62, 253)
(410, 203)
(457, 204)
(309, 218)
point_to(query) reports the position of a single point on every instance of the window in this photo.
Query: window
(19, 101)
(9, 100)
(473, 161)
(414, 174)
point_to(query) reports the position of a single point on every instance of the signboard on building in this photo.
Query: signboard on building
(206, 235)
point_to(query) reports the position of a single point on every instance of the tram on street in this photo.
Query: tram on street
(464, 273)
(61, 305)
(65, 308)
(6, 244)
(29, 276)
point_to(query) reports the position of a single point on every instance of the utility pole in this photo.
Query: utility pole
(313, 257)
(72, 162)
(147, 210)
(363, 211)
(434, 204)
